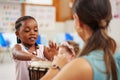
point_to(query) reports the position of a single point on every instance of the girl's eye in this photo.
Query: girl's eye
(36, 30)
(27, 30)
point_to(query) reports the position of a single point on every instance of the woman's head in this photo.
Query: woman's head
(92, 18)
(94, 13)
(26, 30)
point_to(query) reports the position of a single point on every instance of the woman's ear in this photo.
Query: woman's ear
(76, 20)
(78, 23)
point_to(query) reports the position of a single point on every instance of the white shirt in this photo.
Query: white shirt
(22, 72)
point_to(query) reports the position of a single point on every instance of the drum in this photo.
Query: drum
(37, 69)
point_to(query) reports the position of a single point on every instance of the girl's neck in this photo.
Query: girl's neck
(31, 48)
(27, 47)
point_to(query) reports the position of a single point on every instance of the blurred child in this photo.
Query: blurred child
(67, 51)
(70, 49)
(26, 48)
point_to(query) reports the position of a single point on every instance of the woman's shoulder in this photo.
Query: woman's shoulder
(80, 68)
(82, 64)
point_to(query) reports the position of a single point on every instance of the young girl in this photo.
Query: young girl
(26, 48)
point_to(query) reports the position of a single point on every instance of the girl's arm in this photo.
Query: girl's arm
(21, 55)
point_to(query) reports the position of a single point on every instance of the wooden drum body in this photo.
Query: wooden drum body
(38, 69)
(35, 73)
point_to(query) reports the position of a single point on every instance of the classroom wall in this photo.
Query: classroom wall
(60, 27)
(49, 33)
(114, 30)
(68, 26)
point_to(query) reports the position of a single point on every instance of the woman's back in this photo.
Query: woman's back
(95, 58)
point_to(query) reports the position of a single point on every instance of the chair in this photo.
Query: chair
(42, 39)
(68, 36)
(3, 42)
(4, 46)
(38, 40)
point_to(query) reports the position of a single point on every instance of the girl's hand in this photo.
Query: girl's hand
(51, 51)
(53, 45)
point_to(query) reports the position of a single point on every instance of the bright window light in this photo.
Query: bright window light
(47, 2)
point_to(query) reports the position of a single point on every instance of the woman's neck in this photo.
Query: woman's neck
(87, 33)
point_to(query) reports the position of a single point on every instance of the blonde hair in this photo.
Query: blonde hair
(71, 45)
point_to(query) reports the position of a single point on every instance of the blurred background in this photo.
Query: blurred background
(55, 20)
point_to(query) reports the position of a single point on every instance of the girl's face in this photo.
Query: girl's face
(63, 50)
(28, 32)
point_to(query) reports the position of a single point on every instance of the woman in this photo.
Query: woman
(99, 59)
